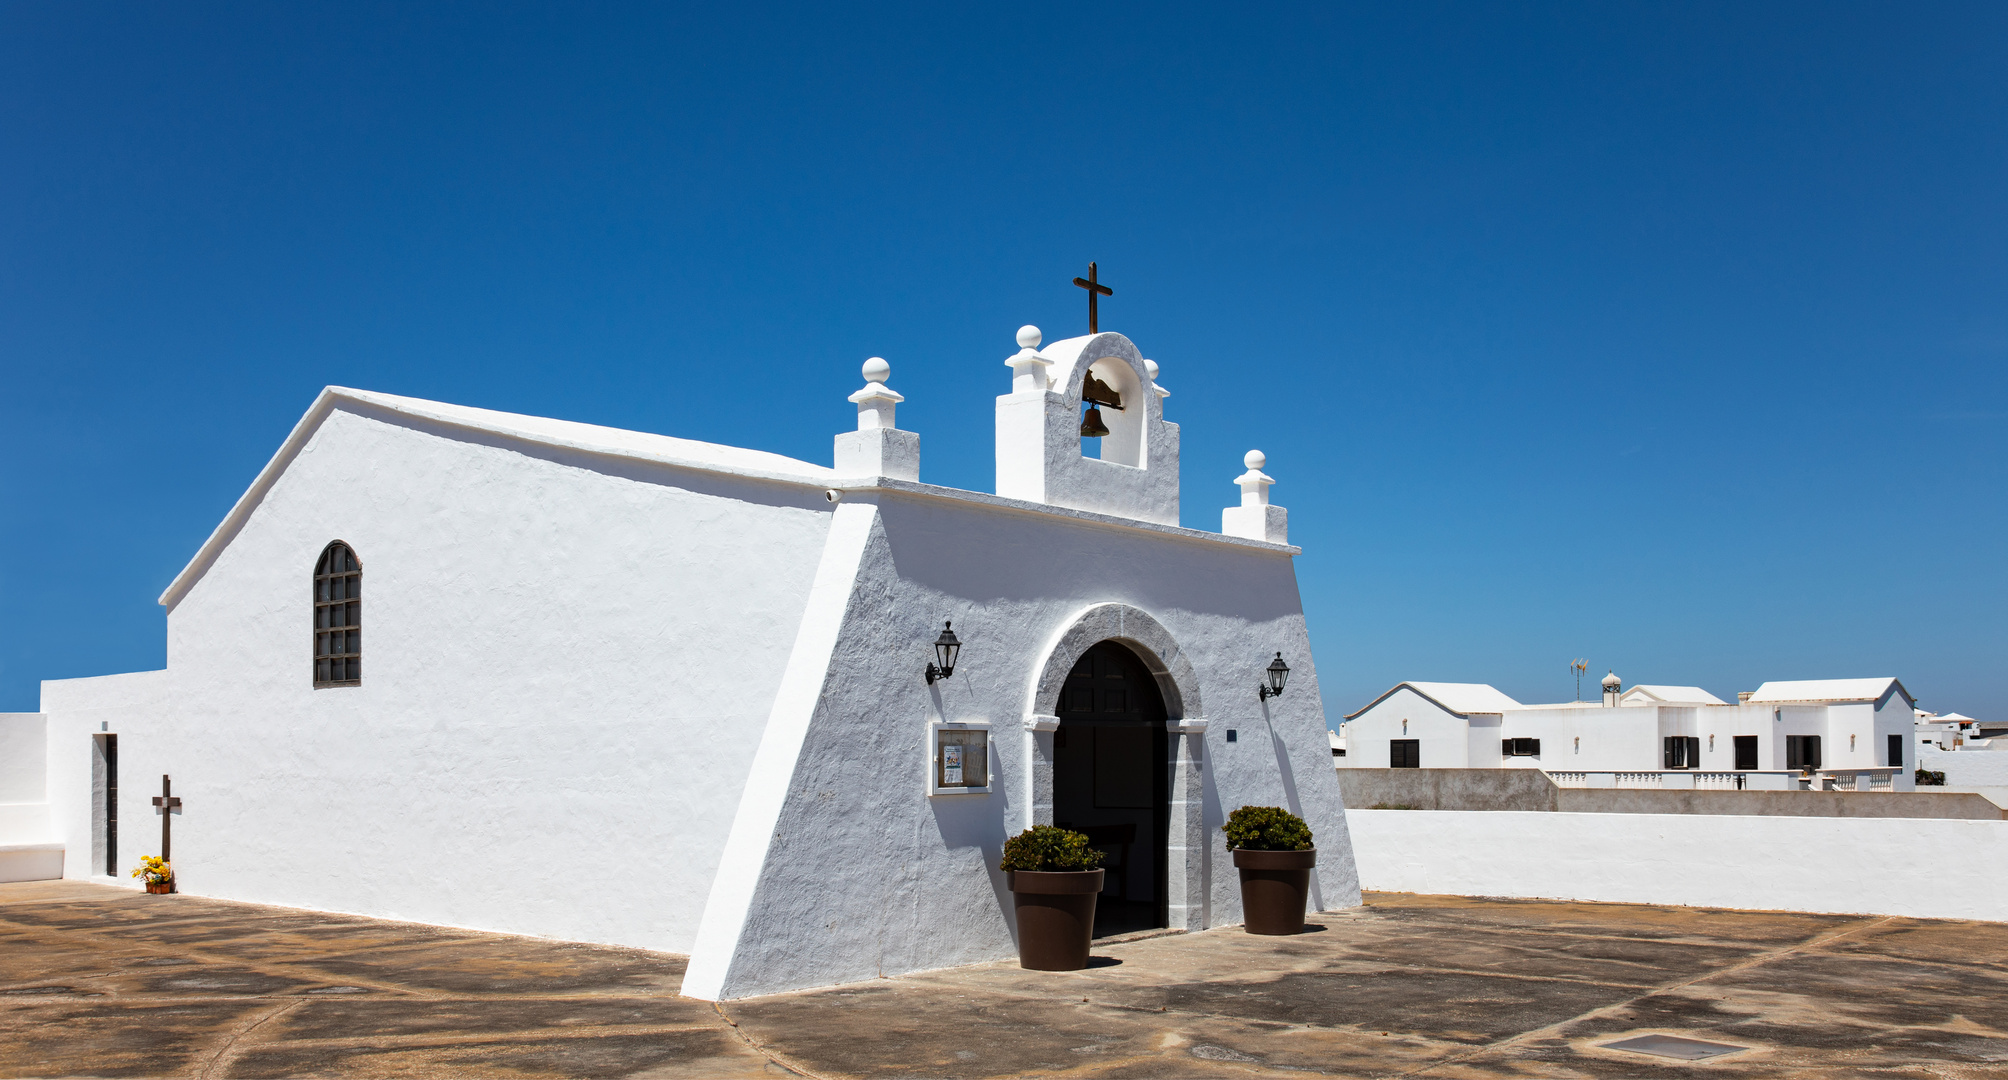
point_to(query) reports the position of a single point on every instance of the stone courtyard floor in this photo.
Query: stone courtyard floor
(97, 981)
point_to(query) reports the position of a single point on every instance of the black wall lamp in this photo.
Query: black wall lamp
(1279, 673)
(945, 649)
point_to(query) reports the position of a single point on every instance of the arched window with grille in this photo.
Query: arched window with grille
(338, 617)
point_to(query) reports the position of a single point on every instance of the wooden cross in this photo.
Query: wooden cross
(1095, 288)
(168, 804)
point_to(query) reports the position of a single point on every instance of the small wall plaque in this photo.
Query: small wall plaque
(958, 757)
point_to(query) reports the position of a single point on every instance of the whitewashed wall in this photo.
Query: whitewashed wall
(567, 664)
(78, 709)
(28, 850)
(864, 875)
(1444, 736)
(23, 759)
(1625, 737)
(1927, 868)
(1968, 768)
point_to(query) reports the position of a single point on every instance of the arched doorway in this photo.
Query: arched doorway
(1111, 780)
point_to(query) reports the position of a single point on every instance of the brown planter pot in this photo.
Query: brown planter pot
(1275, 887)
(160, 888)
(1056, 917)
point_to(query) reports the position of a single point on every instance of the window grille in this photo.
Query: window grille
(338, 618)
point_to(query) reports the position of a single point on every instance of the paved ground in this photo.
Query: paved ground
(96, 981)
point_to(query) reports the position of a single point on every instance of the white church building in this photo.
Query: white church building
(520, 674)
(1826, 734)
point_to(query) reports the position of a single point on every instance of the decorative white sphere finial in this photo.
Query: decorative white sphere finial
(1029, 336)
(877, 370)
(1254, 459)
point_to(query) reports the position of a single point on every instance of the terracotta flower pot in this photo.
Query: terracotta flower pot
(160, 888)
(1056, 917)
(1275, 887)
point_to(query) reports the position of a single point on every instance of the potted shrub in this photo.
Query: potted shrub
(1272, 849)
(1054, 878)
(159, 876)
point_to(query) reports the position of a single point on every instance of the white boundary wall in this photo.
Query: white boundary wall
(1967, 768)
(1927, 868)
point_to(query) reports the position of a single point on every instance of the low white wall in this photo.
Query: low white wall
(1927, 868)
(30, 862)
(1967, 768)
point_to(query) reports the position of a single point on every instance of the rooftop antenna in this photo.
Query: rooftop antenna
(1579, 665)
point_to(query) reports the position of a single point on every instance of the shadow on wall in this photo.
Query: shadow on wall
(973, 551)
(1289, 776)
(977, 821)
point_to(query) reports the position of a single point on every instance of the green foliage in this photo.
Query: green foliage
(1930, 778)
(1394, 806)
(1048, 849)
(1267, 828)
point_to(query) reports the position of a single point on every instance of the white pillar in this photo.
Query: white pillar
(1255, 518)
(877, 447)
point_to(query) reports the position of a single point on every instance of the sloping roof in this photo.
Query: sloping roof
(1460, 698)
(621, 442)
(591, 438)
(1818, 690)
(1676, 695)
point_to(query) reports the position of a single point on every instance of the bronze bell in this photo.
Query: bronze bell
(1092, 426)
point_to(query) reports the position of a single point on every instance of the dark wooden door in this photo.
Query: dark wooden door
(1111, 780)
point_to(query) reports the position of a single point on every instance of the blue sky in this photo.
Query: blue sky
(1671, 336)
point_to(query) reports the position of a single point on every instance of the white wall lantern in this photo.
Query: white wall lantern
(1278, 675)
(958, 757)
(946, 648)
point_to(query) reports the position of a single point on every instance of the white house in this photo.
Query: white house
(1843, 733)
(622, 687)
(1955, 731)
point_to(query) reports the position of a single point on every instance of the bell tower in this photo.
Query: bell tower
(1083, 427)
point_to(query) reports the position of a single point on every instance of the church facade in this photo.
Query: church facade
(526, 675)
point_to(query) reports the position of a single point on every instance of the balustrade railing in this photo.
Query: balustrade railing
(1876, 779)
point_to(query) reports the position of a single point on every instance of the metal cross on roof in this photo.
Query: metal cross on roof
(168, 804)
(1095, 288)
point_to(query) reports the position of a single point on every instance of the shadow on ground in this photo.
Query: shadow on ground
(99, 981)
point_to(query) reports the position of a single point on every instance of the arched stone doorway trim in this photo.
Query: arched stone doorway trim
(1185, 839)
(1145, 636)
